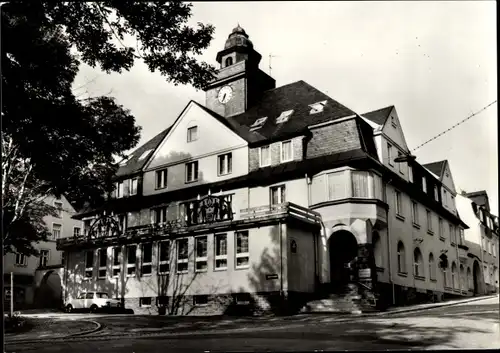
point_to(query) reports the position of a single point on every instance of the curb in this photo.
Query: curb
(51, 339)
(441, 305)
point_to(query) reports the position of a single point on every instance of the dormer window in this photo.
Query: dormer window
(145, 154)
(125, 161)
(284, 116)
(229, 61)
(258, 124)
(317, 107)
(192, 134)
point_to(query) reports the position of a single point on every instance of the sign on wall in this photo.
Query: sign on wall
(272, 276)
(364, 273)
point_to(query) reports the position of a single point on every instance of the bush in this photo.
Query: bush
(14, 323)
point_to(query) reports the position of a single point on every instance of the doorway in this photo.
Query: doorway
(343, 249)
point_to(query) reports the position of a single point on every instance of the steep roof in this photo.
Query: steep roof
(133, 164)
(436, 167)
(379, 116)
(297, 96)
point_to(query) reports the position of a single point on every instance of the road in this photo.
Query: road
(469, 325)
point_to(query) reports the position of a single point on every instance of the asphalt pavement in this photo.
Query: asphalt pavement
(471, 325)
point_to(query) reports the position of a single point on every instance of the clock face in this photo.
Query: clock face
(225, 94)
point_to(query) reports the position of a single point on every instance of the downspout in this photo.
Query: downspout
(315, 241)
(281, 259)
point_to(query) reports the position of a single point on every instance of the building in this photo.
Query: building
(37, 280)
(482, 239)
(270, 197)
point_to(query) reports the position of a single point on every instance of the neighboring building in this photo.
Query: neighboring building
(37, 281)
(483, 240)
(272, 196)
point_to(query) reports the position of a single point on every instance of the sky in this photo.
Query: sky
(436, 62)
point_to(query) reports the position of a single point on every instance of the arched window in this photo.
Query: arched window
(454, 275)
(418, 269)
(377, 250)
(432, 267)
(229, 61)
(401, 258)
(470, 285)
(463, 284)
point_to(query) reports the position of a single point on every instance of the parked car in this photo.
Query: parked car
(93, 301)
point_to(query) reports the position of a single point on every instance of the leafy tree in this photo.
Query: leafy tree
(54, 143)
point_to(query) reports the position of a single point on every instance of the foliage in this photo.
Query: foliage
(54, 143)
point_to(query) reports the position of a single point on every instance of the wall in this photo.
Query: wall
(403, 229)
(333, 138)
(264, 253)
(301, 276)
(207, 171)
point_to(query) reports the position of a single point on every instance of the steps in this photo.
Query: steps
(345, 301)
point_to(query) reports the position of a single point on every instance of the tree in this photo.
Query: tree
(54, 143)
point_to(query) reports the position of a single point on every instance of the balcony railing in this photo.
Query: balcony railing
(205, 211)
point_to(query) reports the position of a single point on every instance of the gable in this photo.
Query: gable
(447, 179)
(392, 129)
(212, 136)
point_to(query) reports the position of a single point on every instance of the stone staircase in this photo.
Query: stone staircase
(344, 301)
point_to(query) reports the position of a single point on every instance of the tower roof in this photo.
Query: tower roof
(238, 38)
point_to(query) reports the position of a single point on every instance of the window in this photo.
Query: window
(377, 250)
(284, 116)
(220, 251)
(393, 122)
(164, 258)
(56, 230)
(119, 189)
(59, 209)
(162, 301)
(401, 258)
(424, 184)
(133, 186)
(462, 236)
(417, 263)
(432, 267)
(200, 300)
(454, 278)
(429, 220)
(89, 263)
(389, 153)
(317, 107)
(359, 184)
(201, 253)
(225, 164)
(89, 296)
(336, 186)
(63, 257)
(278, 195)
(116, 261)
(191, 172)
(445, 198)
(436, 194)
(410, 173)
(76, 231)
(399, 204)
(450, 229)
(400, 164)
(470, 284)
(160, 215)
(286, 151)
(445, 277)
(182, 255)
(145, 302)
(131, 260)
(144, 154)
(21, 260)
(258, 124)
(414, 212)
(147, 258)
(103, 257)
(441, 229)
(462, 277)
(265, 156)
(192, 134)
(161, 179)
(242, 254)
(229, 61)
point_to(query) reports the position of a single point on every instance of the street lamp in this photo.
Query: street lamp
(405, 158)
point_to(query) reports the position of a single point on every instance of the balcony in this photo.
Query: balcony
(210, 212)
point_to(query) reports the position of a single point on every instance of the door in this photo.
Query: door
(89, 298)
(78, 303)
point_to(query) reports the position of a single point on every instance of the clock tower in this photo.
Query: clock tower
(239, 83)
